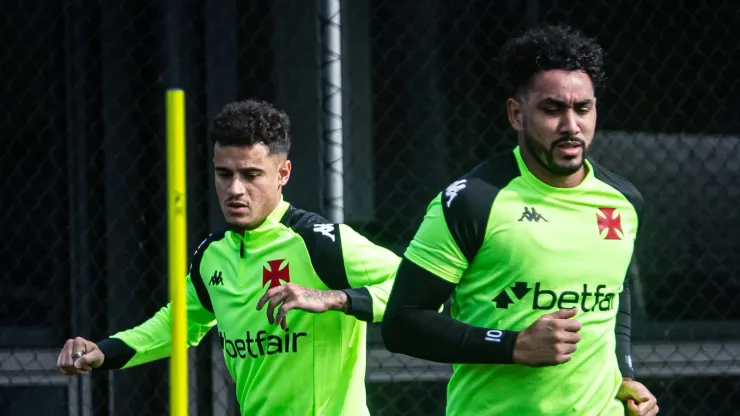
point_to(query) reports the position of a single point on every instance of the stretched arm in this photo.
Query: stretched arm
(151, 340)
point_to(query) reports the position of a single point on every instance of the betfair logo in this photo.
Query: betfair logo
(261, 345)
(545, 299)
(216, 279)
(531, 214)
(503, 300)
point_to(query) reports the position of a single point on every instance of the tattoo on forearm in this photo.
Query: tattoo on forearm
(316, 294)
(337, 299)
(340, 300)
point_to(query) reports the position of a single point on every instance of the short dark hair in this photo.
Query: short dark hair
(547, 48)
(248, 122)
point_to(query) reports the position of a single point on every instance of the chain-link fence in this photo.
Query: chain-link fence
(84, 174)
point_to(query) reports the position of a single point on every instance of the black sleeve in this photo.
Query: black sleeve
(360, 304)
(413, 326)
(117, 353)
(623, 326)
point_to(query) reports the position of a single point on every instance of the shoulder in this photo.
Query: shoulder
(298, 219)
(323, 242)
(322, 238)
(472, 195)
(195, 274)
(320, 235)
(467, 202)
(620, 184)
(316, 231)
(204, 245)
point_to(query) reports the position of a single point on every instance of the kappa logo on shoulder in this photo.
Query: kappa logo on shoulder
(452, 190)
(325, 230)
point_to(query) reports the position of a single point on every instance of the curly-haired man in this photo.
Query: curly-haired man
(534, 245)
(272, 254)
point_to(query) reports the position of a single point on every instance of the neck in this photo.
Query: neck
(258, 222)
(242, 230)
(546, 176)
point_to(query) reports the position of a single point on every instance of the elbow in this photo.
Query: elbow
(392, 330)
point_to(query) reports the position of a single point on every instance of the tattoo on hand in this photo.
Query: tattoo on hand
(337, 299)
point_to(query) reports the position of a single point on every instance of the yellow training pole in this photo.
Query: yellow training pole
(177, 249)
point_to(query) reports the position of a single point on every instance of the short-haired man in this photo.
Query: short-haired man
(310, 361)
(533, 245)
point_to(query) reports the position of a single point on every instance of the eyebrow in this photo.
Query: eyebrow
(249, 169)
(561, 103)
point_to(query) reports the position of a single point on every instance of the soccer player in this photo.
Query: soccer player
(533, 246)
(272, 258)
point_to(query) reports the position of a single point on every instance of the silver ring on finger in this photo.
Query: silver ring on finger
(77, 354)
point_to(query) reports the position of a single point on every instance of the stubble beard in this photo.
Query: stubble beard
(546, 158)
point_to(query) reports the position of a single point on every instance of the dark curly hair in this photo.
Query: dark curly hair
(248, 122)
(547, 48)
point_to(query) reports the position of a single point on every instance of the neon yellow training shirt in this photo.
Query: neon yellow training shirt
(317, 367)
(515, 249)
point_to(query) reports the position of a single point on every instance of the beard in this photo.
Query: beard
(546, 157)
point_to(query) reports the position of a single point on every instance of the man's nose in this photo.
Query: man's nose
(235, 187)
(569, 124)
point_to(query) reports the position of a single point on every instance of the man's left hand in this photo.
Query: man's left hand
(298, 297)
(637, 398)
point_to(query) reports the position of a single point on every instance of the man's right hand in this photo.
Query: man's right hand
(79, 356)
(550, 340)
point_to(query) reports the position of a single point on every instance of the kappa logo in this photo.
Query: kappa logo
(609, 222)
(274, 274)
(531, 214)
(217, 279)
(452, 190)
(324, 229)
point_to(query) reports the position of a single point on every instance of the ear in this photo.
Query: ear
(284, 172)
(514, 111)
